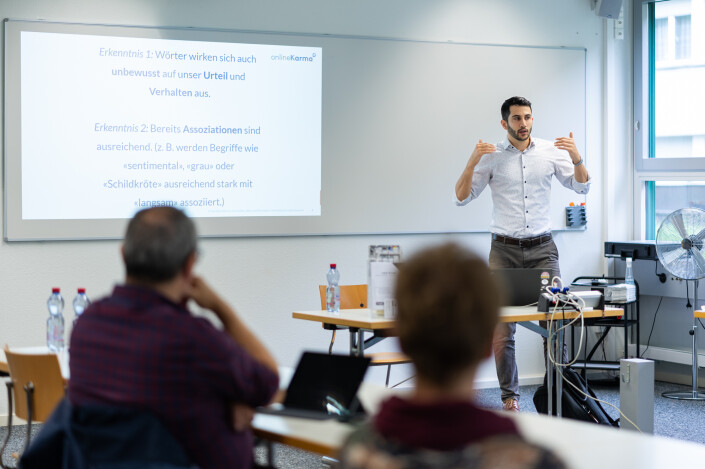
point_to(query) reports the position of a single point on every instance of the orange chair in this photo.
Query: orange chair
(355, 297)
(37, 386)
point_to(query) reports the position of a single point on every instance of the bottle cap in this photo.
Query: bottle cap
(333, 266)
(81, 290)
(56, 290)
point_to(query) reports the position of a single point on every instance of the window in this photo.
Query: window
(682, 39)
(669, 140)
(669, 196)
(661, 38)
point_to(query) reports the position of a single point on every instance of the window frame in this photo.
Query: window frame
(644, 212)
(644, 94)
(647, 167)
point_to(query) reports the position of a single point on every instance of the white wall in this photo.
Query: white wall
(268, 278)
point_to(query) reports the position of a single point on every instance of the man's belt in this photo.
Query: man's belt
(522, 242)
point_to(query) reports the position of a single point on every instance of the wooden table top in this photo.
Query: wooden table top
(363, 319)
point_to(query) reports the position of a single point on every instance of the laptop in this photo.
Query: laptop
(323, 386)
(522, 287)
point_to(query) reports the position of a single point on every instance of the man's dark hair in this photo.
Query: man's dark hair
(157, 244)
(448, 307)
(513, 101)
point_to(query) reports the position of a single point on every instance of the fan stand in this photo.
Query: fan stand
(693, 395)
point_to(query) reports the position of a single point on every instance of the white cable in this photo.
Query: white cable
(598, 400)
(566, 299)
(569, 299)
(558, 299)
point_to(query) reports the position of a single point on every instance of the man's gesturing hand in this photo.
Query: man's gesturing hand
(480, 150)
(568, 144)
(464, 184)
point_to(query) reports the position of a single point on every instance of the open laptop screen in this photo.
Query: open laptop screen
(320, 378)
(522, 287)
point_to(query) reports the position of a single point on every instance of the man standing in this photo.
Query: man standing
(519, 172)
(141, 347)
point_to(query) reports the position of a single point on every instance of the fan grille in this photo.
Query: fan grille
(679, 243)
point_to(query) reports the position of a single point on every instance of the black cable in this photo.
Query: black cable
(653, 323)
(662, 275)
(696, 307)
(688, 305)
(687, 296)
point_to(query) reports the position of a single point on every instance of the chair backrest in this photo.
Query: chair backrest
(44, 372)
(351, 296)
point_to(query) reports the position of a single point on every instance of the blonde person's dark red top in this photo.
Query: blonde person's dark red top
(138, 349)
(442, 435)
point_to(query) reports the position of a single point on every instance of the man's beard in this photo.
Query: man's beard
(516, 135)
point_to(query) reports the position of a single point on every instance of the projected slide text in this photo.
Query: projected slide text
(111, 125)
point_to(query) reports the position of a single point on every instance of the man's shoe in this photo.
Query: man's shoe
(510, 404)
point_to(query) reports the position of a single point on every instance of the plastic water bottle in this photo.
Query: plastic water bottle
(333, 290)
(55, 323)
(80, 303)
(628, 274)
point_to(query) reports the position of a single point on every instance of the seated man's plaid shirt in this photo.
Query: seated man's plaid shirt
(139, 349)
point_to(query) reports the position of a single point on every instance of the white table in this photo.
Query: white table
(581, 445)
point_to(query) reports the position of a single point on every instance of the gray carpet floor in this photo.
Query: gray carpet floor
(672, 418)
(675, 419)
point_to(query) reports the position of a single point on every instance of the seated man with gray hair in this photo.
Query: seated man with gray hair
(448, 307)
(141, 348)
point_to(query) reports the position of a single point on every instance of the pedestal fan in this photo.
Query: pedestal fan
(679, 245)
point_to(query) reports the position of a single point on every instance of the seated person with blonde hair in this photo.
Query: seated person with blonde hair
(448, 309)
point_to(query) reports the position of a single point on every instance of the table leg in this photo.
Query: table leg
(626, 333)
(549, 368)
(555, 346)
(269, 446)
(638, 326)
(357, 342)
(533, 327)
(559, 377)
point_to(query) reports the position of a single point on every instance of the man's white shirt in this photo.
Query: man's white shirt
(520, 183)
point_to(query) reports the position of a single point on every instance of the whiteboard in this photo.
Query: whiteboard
(399, 121)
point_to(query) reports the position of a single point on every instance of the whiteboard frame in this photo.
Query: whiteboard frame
(336, 202)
